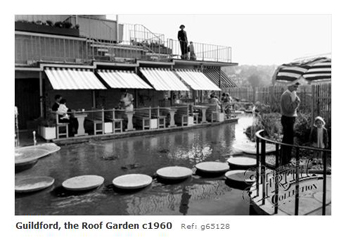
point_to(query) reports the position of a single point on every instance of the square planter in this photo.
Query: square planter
(190, 120)
(220, 117)
(108, 128)
(48, 133)
(153, 123)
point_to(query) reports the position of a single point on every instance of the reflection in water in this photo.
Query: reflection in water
(144, 155)
(184, 204)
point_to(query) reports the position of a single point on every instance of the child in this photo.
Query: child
(62, 110)
(319, 136)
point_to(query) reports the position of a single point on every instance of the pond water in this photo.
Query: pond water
(196, 195)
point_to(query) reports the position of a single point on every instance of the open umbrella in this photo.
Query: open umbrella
(311, 70)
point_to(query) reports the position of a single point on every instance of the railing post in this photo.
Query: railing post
(296, 205)
(263, 170)
(257, 165)
(276, 178)
(324, 201)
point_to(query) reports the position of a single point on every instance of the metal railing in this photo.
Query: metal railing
(299, 172)
(136, 42)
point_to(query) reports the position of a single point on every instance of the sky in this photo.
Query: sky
(256, 39)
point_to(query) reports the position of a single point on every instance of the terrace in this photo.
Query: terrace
(102, 40)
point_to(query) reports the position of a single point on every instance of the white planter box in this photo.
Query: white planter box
(108, 128)
(190, 121)
(220, 117)
(48, 133)
(153, 123)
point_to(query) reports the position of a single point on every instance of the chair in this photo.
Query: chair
(60, 125)
(97, 118)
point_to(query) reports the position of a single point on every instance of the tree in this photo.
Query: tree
(254, 80)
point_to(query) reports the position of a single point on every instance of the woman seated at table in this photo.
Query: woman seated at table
(215, 100)
(65, 117)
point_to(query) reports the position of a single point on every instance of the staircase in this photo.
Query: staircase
(141, 43)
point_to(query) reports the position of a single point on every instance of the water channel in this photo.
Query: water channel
(196, 195)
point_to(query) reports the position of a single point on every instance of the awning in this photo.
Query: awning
(197, 80)
(123, 79)
(69, 79)
(216, 75)
(163, 80)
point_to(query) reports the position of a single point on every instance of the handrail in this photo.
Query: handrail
(262, 166)
(145, 28)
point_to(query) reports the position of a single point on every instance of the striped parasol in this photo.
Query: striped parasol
(312, 70)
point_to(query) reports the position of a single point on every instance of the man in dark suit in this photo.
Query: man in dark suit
(182, 37)
(56, 104)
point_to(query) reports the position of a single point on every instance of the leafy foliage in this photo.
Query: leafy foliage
(302, 128)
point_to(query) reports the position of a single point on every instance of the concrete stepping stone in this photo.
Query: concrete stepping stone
(212, 167)
(174, 173)
(132, 181)
(242, 162)
(83, 183)
(244, 176)
(31, 184)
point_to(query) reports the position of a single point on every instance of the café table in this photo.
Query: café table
(81, 118)
(203, 108)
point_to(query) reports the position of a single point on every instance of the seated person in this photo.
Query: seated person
(63, 110)
(56, 104)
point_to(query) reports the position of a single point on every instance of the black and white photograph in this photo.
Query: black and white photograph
(171, 124)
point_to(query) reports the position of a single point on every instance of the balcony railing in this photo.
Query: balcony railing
(299, 171)
(136, 42)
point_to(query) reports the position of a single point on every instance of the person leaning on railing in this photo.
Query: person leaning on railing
(289, 103)
(126, 101)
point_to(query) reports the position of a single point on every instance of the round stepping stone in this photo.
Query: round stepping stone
(245, 176)
(32, 184)
(83, 183)
(174, 173)
(132, 181)
(212, 167)
(245, 162)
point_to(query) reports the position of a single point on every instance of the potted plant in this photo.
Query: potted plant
(46, 128)
(58, 28)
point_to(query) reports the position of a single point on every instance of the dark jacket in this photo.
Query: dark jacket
(313, 136)
(55, 106)
(182, 36)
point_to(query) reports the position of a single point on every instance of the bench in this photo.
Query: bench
(160, 114)
(116, 118)
(144, 116)
(212, 112)
(97, 118)
(182, 115)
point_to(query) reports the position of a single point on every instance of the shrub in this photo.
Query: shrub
(269, 122)
(45, 122)
(49, 23)
(302, 128)
(66, 24)
(58, 24)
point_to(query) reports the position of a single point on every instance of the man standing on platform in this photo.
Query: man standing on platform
(289, 104)
(182, 37)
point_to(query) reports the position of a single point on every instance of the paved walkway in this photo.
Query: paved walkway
(310, 195)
